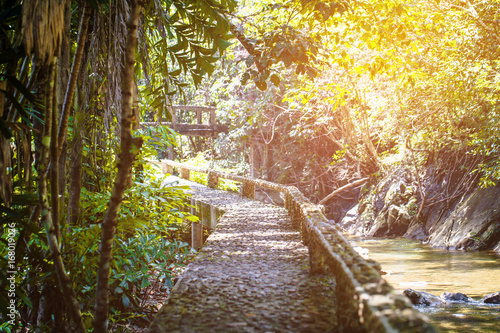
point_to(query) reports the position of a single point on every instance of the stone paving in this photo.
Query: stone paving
(252, 275)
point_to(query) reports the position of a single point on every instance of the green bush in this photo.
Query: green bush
(201, 162)
(147, 251)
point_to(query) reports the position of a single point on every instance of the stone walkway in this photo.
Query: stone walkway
(252, 275)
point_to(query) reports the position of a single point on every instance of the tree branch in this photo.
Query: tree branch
(343, 188)
(240, 36)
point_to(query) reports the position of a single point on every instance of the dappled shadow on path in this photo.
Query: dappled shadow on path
(252, 275)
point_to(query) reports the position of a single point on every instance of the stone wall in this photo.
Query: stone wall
(367, 303)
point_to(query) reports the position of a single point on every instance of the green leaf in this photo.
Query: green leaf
(145, 283)
(197, 79)
(126, 301)
(5, 129)
(18, 106)
(205, 51)
(21, 87)
(175, 73)
(244, 78)
(177, 47)
(262, 85)
(206, 66)
(192, 218)
(211, 59)
(168, 283)
(222, 44)
(275, 80)
(123, 283)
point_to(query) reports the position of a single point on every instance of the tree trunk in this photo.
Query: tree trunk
(75, 69)
(62, 84)
(43, 312)
(54, 170)
(76, 150)
(46, 218)
(75, 172)
(129, 147)
(6, 184)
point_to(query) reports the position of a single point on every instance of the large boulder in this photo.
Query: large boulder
(492, 298)
(423, 298)
(384, 211)
(473, 223)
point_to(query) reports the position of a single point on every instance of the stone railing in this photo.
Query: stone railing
(366, 302)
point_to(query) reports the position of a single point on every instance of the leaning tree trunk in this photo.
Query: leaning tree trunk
(129, 147)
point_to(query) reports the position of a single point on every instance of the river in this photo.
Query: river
(410, 264)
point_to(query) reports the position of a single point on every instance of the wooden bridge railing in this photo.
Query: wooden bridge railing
(366, 302)
(208, 129)
(199, 112)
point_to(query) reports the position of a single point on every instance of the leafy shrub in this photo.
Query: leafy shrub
(147, 251)
(201, 162)
(142, 263)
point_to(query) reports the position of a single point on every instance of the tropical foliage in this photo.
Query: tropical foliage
(359, 83)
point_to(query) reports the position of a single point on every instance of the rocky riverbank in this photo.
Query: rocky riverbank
(425, 299)
(446, 208)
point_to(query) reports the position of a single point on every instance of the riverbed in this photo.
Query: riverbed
(410, 264)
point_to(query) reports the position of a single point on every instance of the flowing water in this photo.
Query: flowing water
(410, 264)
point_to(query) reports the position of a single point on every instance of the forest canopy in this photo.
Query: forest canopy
(324, 92)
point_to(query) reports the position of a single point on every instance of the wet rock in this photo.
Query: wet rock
(383, 211)
(492, 298)
(416, 231)
(423, 298)
(455, 297)
(392, 221)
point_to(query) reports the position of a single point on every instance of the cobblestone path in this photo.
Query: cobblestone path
(252, 275)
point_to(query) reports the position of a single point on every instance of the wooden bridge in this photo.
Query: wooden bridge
(272, 269)
(207, 127)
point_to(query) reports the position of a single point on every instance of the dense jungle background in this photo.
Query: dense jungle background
(395, 102)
